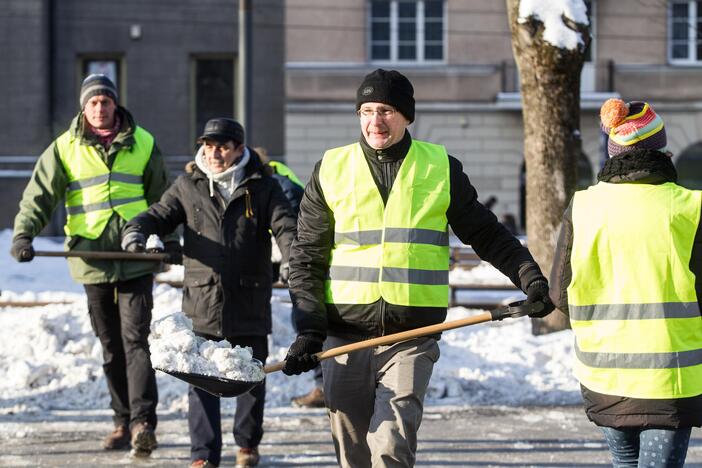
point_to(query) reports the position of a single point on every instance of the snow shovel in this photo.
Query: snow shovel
(223, 387)
(143, 256)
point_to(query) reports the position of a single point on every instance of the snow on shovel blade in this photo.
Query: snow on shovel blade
(217, 386)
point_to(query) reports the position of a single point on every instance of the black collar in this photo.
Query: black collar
(392, 153)
(641, 165)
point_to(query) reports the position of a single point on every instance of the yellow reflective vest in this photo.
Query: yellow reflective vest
(398, 251)
(632, 300)
(284, 170)
(95, 191)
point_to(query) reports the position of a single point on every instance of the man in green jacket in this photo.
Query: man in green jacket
(108, 170)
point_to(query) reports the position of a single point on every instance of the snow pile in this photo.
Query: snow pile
(483, 274)
(174, 347)
(51, 359)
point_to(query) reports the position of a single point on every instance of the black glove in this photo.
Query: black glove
(284, 273)
(301, 356)
(22, 249)
(174, 251)
(133, 241)
(537, 291)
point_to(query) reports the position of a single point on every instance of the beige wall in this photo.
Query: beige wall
(478, 32)
(631, 31)
(437, 83)
(326, 31)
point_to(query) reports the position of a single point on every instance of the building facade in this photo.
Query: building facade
(174, 64)
(458, 56)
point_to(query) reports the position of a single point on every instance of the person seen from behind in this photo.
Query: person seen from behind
(627, 272)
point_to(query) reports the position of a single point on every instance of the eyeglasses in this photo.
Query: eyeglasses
(383, 112)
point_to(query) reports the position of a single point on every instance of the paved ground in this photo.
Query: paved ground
(450, 436)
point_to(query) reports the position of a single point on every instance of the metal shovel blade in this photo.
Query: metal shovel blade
(218, 386)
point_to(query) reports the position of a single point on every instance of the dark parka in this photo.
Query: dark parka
(226, 248)
(309, 259)
(634, 167)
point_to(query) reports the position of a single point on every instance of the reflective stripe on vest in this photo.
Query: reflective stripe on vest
(284, 170)
(94, 191)
(632, 300)
(398, 251)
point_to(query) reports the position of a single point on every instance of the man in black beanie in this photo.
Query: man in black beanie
(371, 258)
(107, 169)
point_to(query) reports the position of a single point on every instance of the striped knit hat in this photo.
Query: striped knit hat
(96, 85)
(631, 126)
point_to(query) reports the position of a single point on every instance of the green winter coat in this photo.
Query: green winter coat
(47, 188)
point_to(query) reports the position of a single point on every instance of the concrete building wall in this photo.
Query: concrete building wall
(44, 43)
(478, 32)
(324, 31)
(24, 77)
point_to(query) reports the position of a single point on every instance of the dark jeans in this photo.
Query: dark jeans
(205, 419)
(664, 448)
(120, 314)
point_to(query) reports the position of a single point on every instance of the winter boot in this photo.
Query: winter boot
(118, 439)
(313, 399)
(200, 463)
(247, 457)
(143, 439)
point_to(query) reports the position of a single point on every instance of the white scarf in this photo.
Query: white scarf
(228, 180)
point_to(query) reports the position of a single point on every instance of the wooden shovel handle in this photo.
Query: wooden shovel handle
(144, 256)
(390, 339)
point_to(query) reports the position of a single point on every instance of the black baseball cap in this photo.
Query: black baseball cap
(222, 130)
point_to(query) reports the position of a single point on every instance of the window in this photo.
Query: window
(407, 30)
(684, 40)
(108, 66)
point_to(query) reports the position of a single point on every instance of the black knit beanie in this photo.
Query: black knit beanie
(96, 85)
(389, 87)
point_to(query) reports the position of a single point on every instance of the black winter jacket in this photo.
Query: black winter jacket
(226, 250)
(309, 259)
(642, 167)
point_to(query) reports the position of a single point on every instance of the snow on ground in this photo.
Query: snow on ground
(50, 359)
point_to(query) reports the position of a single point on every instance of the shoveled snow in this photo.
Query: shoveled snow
(551, 13)
(174, 347)
(50, 358)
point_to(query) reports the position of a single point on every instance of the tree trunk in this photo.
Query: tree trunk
(550, 89)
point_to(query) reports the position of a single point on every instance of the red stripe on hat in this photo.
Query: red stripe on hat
(632, 126)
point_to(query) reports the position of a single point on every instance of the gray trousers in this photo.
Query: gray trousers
(375, 399)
